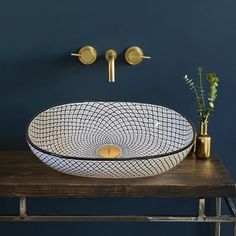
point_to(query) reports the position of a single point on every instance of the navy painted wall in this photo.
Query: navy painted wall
(36, 71)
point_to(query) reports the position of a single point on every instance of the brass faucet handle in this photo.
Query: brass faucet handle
(134, 55)
(87, 55)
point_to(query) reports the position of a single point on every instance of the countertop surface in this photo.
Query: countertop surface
(22, 174)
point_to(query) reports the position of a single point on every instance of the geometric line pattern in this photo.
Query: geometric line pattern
(152, 138)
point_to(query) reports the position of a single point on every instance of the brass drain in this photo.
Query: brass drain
(109, 151)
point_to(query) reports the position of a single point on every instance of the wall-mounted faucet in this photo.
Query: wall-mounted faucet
(111, 56)
(88, 54)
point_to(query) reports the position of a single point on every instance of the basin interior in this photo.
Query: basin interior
(80, 130)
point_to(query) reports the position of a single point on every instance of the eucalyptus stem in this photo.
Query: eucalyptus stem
(203, 109)
(201, 88)
(192, 86)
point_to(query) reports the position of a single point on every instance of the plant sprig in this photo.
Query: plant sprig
(205, 104)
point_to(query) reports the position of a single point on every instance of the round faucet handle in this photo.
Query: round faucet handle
(87, 55)
(134, 55)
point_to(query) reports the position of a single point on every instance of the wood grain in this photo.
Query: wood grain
(22, 174)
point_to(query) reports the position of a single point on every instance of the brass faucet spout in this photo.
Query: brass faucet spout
(111, 56)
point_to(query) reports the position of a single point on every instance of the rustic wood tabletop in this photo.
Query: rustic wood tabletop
(22, 174)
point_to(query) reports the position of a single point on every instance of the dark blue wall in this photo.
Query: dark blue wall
(36, 72)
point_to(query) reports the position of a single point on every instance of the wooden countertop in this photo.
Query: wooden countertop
(22, 174)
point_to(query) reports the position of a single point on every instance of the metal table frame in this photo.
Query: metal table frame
(200, 218)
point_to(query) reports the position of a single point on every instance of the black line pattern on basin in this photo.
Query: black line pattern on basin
(152, 138)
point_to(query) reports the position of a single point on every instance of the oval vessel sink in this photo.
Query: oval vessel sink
(110, 139)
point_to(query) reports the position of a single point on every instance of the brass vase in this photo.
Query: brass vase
(203, 142)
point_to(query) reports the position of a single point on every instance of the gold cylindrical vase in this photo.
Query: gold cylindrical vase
(203, 142)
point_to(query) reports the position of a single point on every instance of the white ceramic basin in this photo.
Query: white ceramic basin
(110, 139)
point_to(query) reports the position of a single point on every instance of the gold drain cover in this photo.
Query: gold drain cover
(109, 151)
